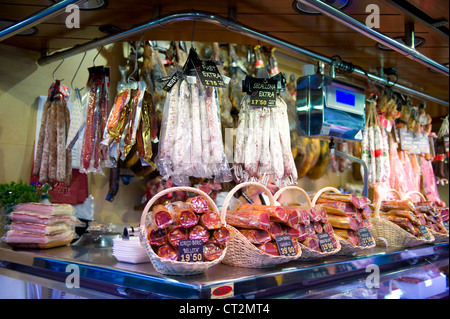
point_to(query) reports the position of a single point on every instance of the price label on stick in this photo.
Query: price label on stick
(365, 237)
(325, 242)
(425, 232)
(263, 92)
(285, 245)
(190, 250)
(207, 71)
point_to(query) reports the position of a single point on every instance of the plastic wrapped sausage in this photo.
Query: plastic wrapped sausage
(220, 236)
(210, 220)
(275, 230)
(212, 251)
(157, 237)
(248, 219)
(256, 236)
(161, 216)
(276, 213)
(176, 234)
(343, 222)
(198, 204)
(269, 248)
(167, 251)
(198, 232)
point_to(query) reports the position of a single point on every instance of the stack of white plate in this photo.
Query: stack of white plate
(130, 250)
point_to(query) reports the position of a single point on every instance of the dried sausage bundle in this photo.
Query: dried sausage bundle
(93, 156)
(349, 216)
(53, 162)
(375, 148)
(191, 137)
(193, 219)
(263, 145)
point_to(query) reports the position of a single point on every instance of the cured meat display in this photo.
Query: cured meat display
(41, 226)
(192, 219)
(414, 216)
(93, 156)
(262, 224)
(348, 215)
(191, 137)
(53, 162)
(263, 147)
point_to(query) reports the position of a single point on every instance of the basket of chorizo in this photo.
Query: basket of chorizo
(430, 216)
(183, 238)
(261, 235)
(349, 215)
(399, 223)
(316, 236)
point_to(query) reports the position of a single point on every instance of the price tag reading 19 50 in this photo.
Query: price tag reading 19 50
(285, 245)
(263, 92)
(190, 250)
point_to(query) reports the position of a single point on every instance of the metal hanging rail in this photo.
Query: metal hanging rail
(37, 18)
(361, 28)
(230, 25)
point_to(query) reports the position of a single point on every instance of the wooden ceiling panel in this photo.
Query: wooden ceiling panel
(318, 33)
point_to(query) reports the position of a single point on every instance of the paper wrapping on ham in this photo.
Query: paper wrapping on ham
(46, 209)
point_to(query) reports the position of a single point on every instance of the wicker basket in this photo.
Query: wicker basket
(240, 251)
(438, 237)
(396, 236)
(347, 248)
(308, 253)
(172, 267)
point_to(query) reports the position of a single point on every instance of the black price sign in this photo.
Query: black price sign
(207, 71)
(425, 232)
(285, 245)
(365, 237)
(190, 250)
(446, 225)
(325, 242)
(263, 92)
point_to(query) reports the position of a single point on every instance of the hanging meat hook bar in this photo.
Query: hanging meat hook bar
(230, 25)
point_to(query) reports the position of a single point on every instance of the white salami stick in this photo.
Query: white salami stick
(214, 126)
(265, 162)
(196, 139)
(68, 176)
(275, 150)
(60, 142)
(179, 156)
(378, 152)
(40, 143)
(250, 164)
(386, 161)
(290, 170)
(52, 155)
(373, 165)
(43, 169)
(206, 136)
(239, 153)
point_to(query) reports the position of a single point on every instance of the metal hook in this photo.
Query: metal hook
(53, 74)
(93, 61)
(135, 51)
(76, 72)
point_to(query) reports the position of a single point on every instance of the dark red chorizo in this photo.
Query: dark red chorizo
(198, 232)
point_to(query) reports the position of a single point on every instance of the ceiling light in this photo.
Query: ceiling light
(90, 4)
(306, 9)
(418, 41)
(4, 23)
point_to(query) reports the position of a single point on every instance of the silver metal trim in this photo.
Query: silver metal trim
(361, 28)
(37, 18)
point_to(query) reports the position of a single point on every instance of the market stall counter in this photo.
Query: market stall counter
(96, 273)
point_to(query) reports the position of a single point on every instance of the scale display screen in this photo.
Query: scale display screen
(345, 97)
